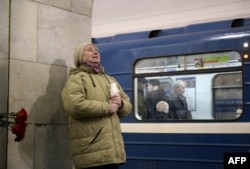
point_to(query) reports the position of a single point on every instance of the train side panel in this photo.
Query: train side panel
(202, 141)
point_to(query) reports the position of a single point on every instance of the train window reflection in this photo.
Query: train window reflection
(227, 96)
(202, 96)
(189, 62)
(207, 95)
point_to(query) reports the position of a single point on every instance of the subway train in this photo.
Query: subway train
(213, 61)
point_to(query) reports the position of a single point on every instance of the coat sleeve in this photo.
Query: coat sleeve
(126, 104)
(75, 101)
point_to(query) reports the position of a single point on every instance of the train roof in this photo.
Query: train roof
(174, 33)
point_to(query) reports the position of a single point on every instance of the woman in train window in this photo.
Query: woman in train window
(178, 107)
(95, 102)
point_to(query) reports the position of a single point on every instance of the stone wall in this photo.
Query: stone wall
(43, 35)
(4, 43)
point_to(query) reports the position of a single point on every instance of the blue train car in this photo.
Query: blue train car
(212, 59)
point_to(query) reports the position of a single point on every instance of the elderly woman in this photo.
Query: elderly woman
(94, 112)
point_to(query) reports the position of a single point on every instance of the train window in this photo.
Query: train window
(227, 95)
(192, 87)
(190, 62)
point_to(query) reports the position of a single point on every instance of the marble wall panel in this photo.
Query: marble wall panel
(21, 154)
(37, 88)
(59, 32)
(63, 4)
(52, 147)
(3, 109)
(82, 7)
(3, 85)
(23, 30)
(42, 41)
(3, 147)
(4, 28)
(4, 42)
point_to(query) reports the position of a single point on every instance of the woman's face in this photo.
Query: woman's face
(91, 55)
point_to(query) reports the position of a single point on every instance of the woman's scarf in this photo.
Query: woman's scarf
(96, 68)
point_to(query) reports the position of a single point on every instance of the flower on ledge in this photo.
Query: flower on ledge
(16, 122)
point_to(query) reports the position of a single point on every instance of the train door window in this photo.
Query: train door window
(227, 95)
(188, 87)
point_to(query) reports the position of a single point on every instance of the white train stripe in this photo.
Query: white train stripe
(234, 128)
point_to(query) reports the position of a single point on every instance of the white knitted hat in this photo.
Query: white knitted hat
(78, 53)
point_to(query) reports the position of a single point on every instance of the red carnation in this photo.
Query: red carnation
(16, 122)
(19, 130)
(21, 116)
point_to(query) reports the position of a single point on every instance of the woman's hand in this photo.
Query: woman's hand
(116, 99)
(113, 108)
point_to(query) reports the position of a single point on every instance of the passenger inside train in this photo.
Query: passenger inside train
(178, 107)
(142, 104)
(155, 93)
(211, 90)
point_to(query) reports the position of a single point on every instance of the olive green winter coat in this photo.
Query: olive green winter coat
(95, 135)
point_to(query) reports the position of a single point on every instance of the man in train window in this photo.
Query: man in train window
(177, 102)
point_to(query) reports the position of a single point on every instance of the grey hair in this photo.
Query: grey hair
(179, 83)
